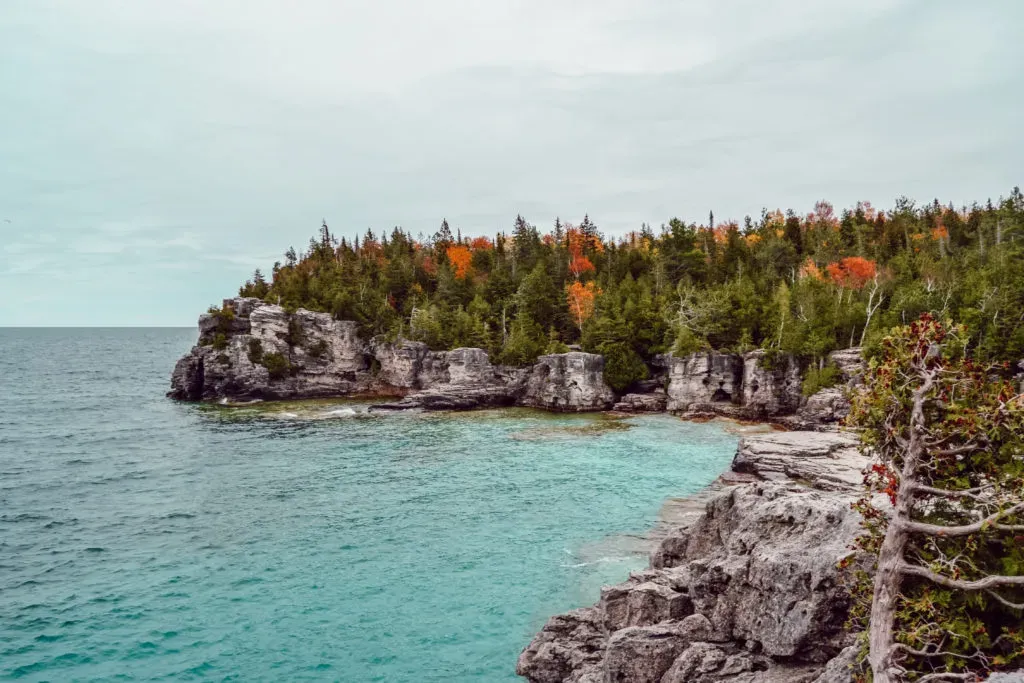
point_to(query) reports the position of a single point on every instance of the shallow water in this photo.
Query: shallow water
(142, 539)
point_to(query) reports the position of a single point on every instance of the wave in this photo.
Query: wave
(600, 560)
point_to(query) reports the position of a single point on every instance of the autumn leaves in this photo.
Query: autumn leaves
(580, 295)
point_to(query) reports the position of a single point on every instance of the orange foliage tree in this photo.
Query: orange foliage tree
(811, 270)
(460, 256)
(578, 244)
(852, 272)
(581, 301)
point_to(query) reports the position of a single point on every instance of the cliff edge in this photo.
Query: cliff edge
(750, 592)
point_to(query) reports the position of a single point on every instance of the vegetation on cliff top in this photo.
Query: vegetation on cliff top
(804, 284)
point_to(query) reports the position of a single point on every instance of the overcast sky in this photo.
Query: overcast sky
(154, 152)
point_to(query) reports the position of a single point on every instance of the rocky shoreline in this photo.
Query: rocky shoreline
(748, 592)
(249, 350)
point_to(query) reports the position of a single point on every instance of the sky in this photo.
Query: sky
(153, 153)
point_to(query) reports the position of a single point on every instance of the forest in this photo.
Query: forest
(805, 284)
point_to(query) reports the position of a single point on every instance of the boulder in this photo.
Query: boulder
(827, 406)
(567, 382)
(642, 654)
(840, 669)
(568, 649)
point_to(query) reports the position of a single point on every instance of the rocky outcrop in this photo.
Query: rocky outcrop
(254, 350)
(751, 385)
(734, 596)
(250, 349)
(460, 379)
(259, 351)
(832, 405)
(771, 385)
(568, 382)
(828, 461)
(705, 382)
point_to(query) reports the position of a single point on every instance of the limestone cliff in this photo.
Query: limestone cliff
(740, 385)
(254, 350)
(251, 349)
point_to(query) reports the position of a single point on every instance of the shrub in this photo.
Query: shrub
(255, 351)
(556, 346)
(622, 365)
(277, 365)
(687, 343)
(220, 341)
(317, 348)
(815, 380)
(771, 360)
(295, 334)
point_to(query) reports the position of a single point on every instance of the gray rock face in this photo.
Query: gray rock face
(768, 392)
(850, 362)
(313, 355)
(733, 384)
(322, 356)
(828, 461)
(705, 382)
(735, 596)
(569, 382)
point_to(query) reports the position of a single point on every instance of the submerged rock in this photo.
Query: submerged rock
(655, 402)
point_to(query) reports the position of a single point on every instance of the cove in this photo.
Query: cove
(308, 540)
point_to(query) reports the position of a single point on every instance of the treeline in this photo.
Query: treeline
(803, 284)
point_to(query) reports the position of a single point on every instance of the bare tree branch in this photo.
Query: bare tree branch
(994, 581)
(948, 493)
(967, 529)
(1011, 605)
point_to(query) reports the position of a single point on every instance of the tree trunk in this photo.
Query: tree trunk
(883, 603)
(890, 557)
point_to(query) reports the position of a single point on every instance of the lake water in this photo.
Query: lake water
(141, 539)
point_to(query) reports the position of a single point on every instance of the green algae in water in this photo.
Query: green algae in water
(300, 541)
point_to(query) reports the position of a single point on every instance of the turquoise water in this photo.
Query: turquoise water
(142, 539)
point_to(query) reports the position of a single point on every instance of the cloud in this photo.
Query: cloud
(207, 137)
